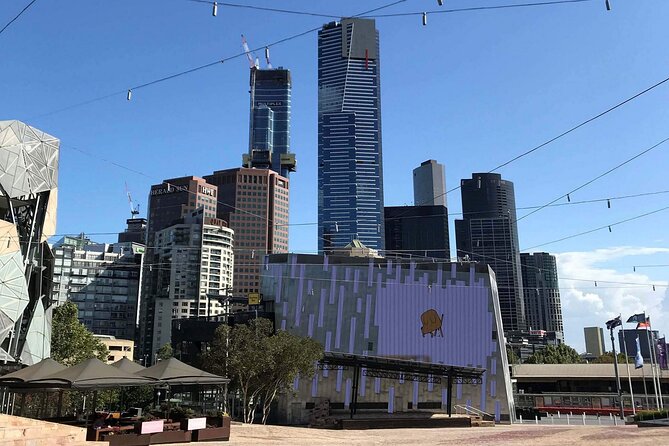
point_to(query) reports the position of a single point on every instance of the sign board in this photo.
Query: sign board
(254, 298)
(192, 424)
(151, 427)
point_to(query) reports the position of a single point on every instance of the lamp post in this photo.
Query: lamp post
(610, 325)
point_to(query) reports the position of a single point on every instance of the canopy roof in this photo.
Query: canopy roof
(127, 365)
(40, 370)
(172, 371)
(92, 373)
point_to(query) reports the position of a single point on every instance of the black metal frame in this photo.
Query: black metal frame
(391, 368)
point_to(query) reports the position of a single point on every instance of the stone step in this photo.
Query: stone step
(482, 423)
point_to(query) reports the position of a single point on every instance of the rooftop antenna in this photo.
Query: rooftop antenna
(269, 64)
(134, 210)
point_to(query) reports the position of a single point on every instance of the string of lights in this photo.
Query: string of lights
(17, 16)
(587, 183)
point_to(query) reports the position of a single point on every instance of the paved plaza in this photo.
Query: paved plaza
(525, 435)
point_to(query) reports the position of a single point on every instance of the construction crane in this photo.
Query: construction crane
(134, 210)
(253, 61)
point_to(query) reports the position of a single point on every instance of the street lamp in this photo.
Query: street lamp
(610, 325)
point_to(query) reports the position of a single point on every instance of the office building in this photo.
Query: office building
(135, 231)
(350, 168)
(442, 314)
(269, 127)
(194, 260)
(628, 337)
(429, 184)
(103, 280)
(525, 343)
(254, 202)
(169, 203)
(594, 341)
(488, 233)
(417, 231)
(543, 310)
(28, 202)
(118, 348)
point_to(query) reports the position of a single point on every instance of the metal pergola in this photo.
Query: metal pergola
(391, 368)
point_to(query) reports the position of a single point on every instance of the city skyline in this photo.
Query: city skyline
(602, 256)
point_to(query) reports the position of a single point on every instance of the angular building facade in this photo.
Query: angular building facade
(594, 341)
(350, 165)
(438, 313)
(488, 233)
(429, 184)
(29, 193)
(254, 202)
(269, 127)
(543, 310)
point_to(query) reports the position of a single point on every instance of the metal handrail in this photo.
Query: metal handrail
(473, 410)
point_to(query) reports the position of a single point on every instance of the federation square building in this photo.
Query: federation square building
(350, 174)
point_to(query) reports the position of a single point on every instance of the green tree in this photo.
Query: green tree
(555, 354)
(607, 358)
(164, 352)
(71, 341)
(260, 364)
(511, 356)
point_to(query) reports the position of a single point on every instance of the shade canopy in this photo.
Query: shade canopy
(127, 365)
(92, 373)
(40, 370)
(174, 372)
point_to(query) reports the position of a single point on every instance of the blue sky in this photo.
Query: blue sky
(471, 90)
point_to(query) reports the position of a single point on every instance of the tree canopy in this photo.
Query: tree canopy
(555, 354)
(607, 358)
(260, 363)
(71, 341)
(164, 352)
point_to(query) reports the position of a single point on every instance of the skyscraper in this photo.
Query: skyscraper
(543, 310)
(488, 233)
(169, 202)
(269, 126)
(594, 340)
(417, 231)
(350, 173)
(429, 184)
(254, 202)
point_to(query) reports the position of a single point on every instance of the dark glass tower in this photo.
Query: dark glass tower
(417, 231)
(350, 174)
(488, 233)
(543, 310)
(269, 127)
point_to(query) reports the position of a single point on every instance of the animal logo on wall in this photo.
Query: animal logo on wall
(431, 323)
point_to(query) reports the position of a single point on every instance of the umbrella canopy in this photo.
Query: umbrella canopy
(174, 372)
(92, 373)
(40, 370)
(127, 365)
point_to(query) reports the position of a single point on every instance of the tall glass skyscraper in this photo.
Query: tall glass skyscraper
(269, 126)
(488, 234)
(350, 173)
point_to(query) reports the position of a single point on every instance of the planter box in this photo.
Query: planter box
(192, 424)
(212, 433)
(149, 427)
(171, 437)
(128, 439)
(218, 421)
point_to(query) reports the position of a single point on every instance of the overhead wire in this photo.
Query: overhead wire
(17, 16)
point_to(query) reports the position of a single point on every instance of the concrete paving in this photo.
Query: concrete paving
(516, 435)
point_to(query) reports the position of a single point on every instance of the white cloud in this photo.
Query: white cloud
(584, 305)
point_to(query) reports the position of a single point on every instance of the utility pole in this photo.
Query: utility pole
(610, 325)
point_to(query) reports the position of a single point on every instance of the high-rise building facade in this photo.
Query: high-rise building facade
(350, 168)
(103, 280)
(594, 340)
(417, 231)
(169, 203)
(488, 233)
(543, 310)
(194, 261)
(429, 184)
(647, 339)
(269, 127)
(254, 202)
(135, 231)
